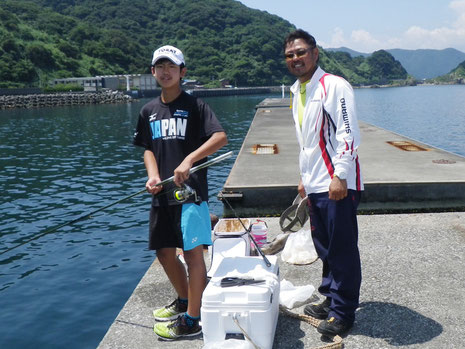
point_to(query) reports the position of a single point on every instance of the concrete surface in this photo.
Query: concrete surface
(412, 293)
(395, 180)
(413, 264)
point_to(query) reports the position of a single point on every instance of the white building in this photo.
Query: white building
(128, 82)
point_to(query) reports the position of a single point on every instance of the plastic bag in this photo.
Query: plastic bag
(299, 248)
(294, 296)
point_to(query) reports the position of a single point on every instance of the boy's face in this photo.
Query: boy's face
(167, 73)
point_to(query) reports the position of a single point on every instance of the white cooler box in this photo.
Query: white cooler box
(230, 239)
(254, 306)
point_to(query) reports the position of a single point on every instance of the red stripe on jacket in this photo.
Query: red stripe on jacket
(324, 152)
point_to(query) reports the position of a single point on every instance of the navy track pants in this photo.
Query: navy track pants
(335, 236)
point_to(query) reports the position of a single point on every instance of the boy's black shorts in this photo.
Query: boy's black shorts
(165, 227)
(184, 226)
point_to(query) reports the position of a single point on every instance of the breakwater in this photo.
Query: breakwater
(62, 99)
(238, 91)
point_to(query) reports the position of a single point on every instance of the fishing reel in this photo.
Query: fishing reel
(184, 193)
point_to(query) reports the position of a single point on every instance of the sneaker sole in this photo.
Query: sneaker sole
(316, 316)
(177, 338)
(331, 334)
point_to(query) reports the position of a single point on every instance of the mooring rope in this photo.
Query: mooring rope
(337, 340)
(247, 337)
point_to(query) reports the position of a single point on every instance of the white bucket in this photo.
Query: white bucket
(259, 232)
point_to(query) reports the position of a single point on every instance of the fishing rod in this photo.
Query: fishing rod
(267, 262)
(166, 181)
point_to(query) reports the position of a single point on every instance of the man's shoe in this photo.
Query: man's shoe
(333, 327)
(170, 312)
(318, 311)
(177, 329)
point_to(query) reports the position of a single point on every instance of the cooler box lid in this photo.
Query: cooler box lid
(249, 296)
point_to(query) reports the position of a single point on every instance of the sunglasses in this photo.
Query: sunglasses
(299, 53)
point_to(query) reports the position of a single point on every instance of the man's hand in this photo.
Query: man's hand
(337, 189)
(301, 190)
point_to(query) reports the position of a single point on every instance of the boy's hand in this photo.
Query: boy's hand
(181, 173)
(152, 187)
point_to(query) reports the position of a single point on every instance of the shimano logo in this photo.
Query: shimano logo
(345, 116)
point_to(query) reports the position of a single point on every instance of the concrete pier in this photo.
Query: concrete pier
(413, 265)
(412, 295)
(400, 174)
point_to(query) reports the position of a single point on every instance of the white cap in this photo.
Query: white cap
(170, 52)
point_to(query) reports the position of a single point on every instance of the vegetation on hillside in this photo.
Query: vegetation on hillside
(456, 76)
(380, 68)
(221, 39)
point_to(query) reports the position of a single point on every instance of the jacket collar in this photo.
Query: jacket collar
(315, 78)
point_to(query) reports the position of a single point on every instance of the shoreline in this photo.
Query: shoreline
(14, 101)
(62, 99)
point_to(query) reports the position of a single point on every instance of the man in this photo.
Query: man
(177, 132)
(327, 130)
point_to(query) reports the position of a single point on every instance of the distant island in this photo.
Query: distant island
(424, 65)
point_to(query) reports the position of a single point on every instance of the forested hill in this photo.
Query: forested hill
(44, 39)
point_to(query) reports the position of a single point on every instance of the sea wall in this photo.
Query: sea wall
(62, 99)
(213, 92)
(20, 91)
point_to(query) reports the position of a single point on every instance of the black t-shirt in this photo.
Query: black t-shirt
(172, 131)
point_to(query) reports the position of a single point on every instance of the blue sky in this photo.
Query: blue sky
(369, 25)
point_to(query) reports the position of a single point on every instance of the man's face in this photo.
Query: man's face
(167, 73)
(301, 59)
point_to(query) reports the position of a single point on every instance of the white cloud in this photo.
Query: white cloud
(458, 5)
(437, 38)
(414, 37)
(337, 38)
(364, 40)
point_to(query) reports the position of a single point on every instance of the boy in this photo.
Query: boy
(178, 131)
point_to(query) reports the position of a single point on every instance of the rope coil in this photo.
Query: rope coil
(337, 340)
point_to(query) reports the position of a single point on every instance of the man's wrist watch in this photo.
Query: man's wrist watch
(341, 175)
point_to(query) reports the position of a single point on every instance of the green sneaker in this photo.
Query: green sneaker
(177, 329)
(170, 312)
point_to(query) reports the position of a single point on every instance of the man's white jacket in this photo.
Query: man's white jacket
(330, 136)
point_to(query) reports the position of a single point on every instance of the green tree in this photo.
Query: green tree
(40, 56)
(384, 67)
(220, 39)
